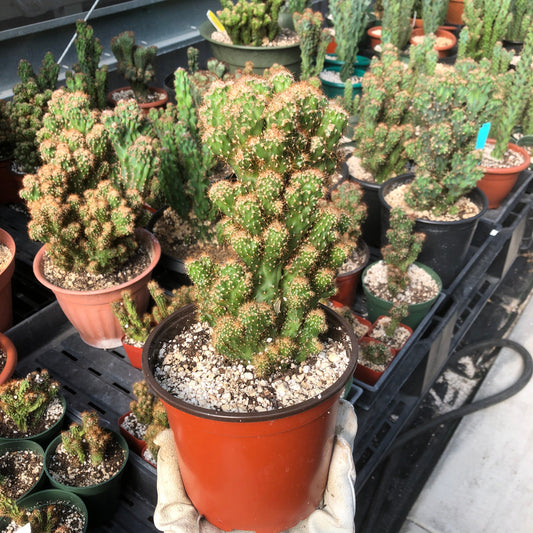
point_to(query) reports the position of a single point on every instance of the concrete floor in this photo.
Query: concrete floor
(483, 482)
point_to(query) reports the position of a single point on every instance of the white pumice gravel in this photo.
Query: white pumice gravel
(189, 368)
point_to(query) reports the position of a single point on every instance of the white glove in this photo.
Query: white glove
(175, 513)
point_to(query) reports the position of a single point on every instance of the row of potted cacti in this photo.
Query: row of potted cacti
(283, 231)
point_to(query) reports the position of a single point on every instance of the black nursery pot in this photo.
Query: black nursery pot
(371, 227)
(445, 248)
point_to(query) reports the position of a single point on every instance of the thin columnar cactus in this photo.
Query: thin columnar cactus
(279, 137)
(74, 206)
(486, 23)
(350, 18)
(433, 14)
(135, 63)
(314, 40)
(396, 23)
(250, 22)
(522, 11)
(86, 76)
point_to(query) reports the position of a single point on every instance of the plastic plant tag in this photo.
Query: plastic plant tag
(24, 529)
(482, 136)
(214, 20)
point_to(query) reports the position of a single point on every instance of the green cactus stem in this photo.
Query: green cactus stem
(433, 14)
(396, 313)
(135, 63)
(375, 353)
(522, 11)
(396, 23)
(86, 76)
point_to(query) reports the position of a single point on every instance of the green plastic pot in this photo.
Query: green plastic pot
(102, 499)
(46, 436)
(22, 445)
(377, 306)
(333, 89)
(262, 57)
(361, 62)
(526, 141)
(50, 497)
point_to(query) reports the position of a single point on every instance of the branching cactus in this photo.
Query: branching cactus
(396, 23)
(347, 198)
(88, 223)
(86, 75)
(350, 18)
(158, 423)
(251, 22)
(385, 125)
(143, 405)
(24, 401)
(133, 139)
(135, 63)
(433, 14)
(402, 251)
(87, 441)
(486, 23)
(29, 104)
(185, 161)
(314, 40)
(7, 142)
(280, 139)
(375, 353)
(522, 11)
(450, 108)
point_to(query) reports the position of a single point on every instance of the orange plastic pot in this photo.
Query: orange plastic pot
(11, 362)
(454, 15)
(135, 444)
(6, 302)
(347, 283)
(262, 472)
(144, 106)
(366, 374)
(375, 36)
(497, 183)
(134, 353)
(90, 312)
(442, 51)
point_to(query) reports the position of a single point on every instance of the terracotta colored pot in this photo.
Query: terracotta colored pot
(442, 51)
(90, 311)
(253, 471)
(497, 183)
(134, 353)
(8, 347)
(347, 283)
(6, 301)
(364, 373)
(135, 444)
(146, 106)
(10, 183)
(454, 15)
(375, 36)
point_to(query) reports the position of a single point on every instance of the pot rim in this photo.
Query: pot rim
(510, 170)
(142, 105)
(356, 72)
(366, 251)
(142, 234)
(206, 30)
(265, 416)
(440, 32)
(481, 201)
(12, 357)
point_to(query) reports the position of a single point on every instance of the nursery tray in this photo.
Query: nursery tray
(91, 379)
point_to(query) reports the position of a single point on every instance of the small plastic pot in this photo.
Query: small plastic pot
(11, 362)
(333, 89)
(134, 353)
(442, 51)
(162, 102)
(366, 374)
(135, 444)
(347, 283)
(376, 323)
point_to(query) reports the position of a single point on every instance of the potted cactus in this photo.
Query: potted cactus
(396, 23)
(263, 309)
(375, 357)
(31, 408)
(87, 221)
(89, 461)
(136, 64)
(252, 33)
(397, 279)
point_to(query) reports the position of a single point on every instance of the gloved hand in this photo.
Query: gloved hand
(175, 513)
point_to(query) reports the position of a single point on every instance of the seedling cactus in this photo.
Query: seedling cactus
(375, 353)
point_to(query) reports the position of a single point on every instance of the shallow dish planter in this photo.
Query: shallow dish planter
(444, 49)
(497, 183)
(6, 273)
(145, 106)
(89, 311)
(262, 471)
(262, 56)
(21, 468)
(10, 352)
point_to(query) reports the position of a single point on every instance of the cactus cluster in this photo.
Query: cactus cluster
(385, 124)
(7, 143)
(486, 23)
(314, 40)
(74, 204)
(24, 401)
(350, 19)
(26, 110)
(250, 22)
(87, 441)
(284, 237)
(522, 11)
(137, 327)
(396, 22)
(135, 63)
(86, 76)
(433, 14)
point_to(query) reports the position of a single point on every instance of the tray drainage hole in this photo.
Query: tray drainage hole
(95, 372)
(97, 408)
(68, 389)
(118, 386)
(69, 355)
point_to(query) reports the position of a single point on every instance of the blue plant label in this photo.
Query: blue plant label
(482, 136)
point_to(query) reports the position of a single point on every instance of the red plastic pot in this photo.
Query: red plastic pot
(253, 471)
(375, 36)
(135, 445)
(90, 312)
(134, 353)
(6, 302)
(347, 283)
(364, 373)
(442, 51)
(11, 352)
(497, 183)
